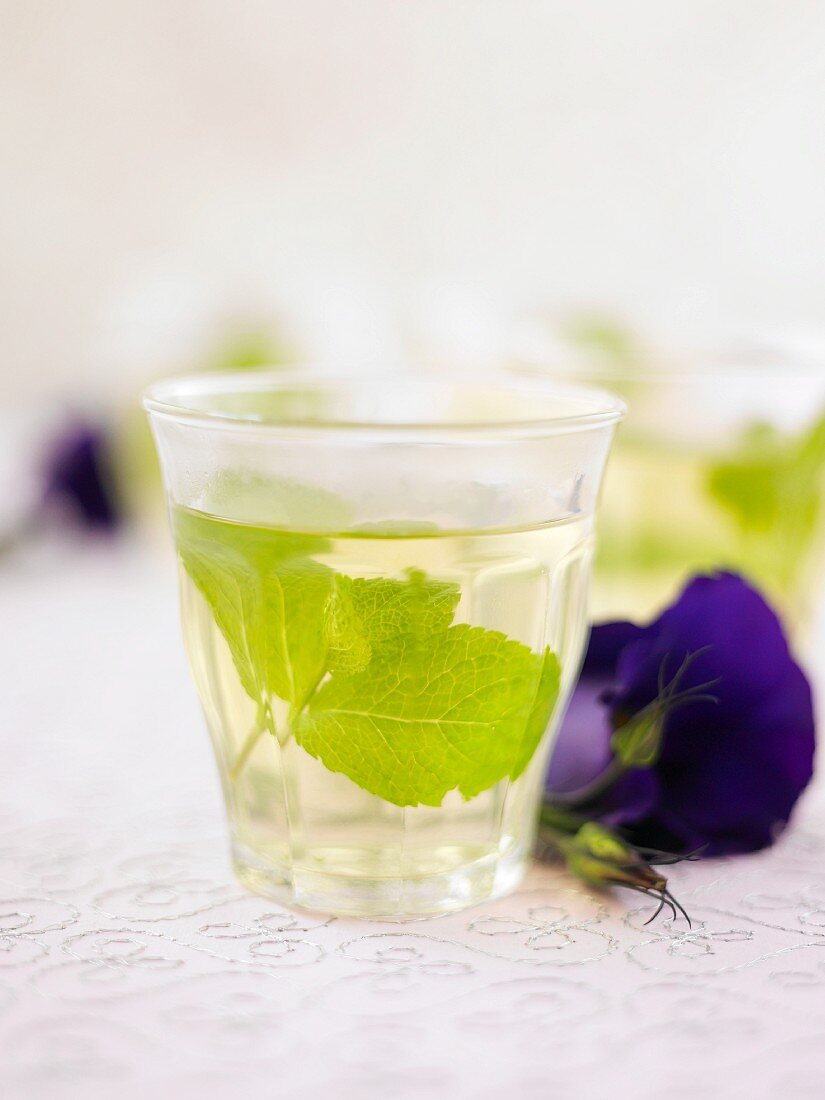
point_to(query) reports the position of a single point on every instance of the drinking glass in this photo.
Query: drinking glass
(721, 465)
(383, 588)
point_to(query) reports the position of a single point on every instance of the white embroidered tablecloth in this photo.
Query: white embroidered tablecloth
(132, 964)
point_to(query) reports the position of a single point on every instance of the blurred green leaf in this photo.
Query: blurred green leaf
(772, 490)
(248, 350)
(605, 336)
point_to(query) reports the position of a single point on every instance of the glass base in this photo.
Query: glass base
(385, 896)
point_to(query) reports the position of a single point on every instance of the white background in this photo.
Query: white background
(383, 176)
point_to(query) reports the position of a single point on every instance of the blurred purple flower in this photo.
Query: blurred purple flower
(78, 477)
(726, 773)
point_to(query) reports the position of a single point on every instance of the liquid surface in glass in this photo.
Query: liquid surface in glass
(382, 701)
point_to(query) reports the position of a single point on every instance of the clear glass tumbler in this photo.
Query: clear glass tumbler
(383, 586)
(721, 465)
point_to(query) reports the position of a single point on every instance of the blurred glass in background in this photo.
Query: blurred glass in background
(720, 465)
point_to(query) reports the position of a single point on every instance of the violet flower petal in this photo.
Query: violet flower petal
(78, 475)
(729, 772)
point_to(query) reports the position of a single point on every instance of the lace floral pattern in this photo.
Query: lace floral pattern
(161, 969)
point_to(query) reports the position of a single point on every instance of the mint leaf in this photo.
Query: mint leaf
(367, 612)
(459, 709)
(544, 702)
(749, 485)
(269, 600)
(772, 490)
(382, 687)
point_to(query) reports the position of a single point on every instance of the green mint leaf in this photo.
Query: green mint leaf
(268, 598)
(459, 709)
(749, 484)
(772, 490)
(605, 336)
(382, 687)
(367, 612)
(248, 349)
(543, 703)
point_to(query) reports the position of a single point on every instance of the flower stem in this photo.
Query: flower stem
(582, 795)
(556, 819)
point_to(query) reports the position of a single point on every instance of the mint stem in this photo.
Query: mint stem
(558, 819)
(264, 723)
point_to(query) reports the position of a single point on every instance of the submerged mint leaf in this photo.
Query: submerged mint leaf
(269, 600)
(382, 686)
(546, 693)
(461, 708)
(365, 612)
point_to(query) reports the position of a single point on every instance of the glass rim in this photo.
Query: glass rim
(167, 398)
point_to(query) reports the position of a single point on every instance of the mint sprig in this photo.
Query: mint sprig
(382, 685)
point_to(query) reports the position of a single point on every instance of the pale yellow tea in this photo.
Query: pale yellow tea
(382, 701)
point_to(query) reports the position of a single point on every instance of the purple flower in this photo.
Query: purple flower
(726, 772)
(79, 477)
